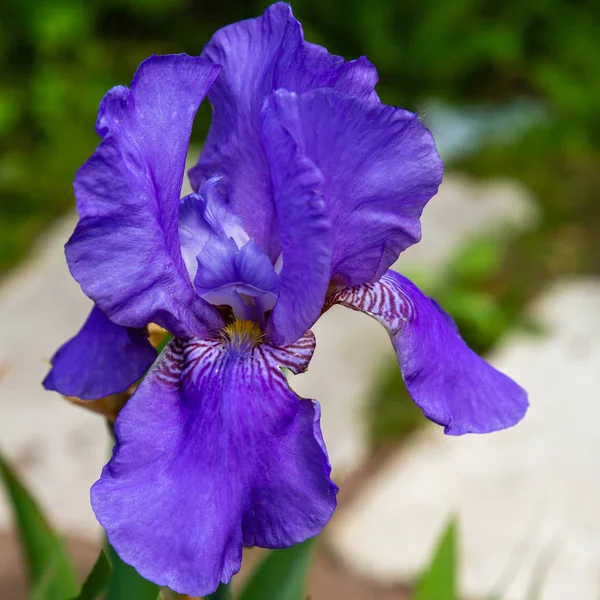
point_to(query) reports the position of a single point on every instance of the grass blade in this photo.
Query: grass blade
(51, 573)
(126, 583)
(223, 592)
(282, 575)
(97, 580)
(439, 581)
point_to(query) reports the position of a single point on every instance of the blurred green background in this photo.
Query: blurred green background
(60, 56)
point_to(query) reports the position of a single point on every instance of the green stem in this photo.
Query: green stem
(223, 593)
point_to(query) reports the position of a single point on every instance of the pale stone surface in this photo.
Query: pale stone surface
(465, 208)
(351, 347)
(58, 448)
(524, 496)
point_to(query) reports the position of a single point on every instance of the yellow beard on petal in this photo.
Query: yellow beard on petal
(242, 336)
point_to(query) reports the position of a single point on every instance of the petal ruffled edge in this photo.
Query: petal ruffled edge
(214, 451)
(453, 386)
(125, 251)
(379, 168)
(258, 56)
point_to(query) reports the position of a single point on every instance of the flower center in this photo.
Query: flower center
(226, 267)
(240, 337)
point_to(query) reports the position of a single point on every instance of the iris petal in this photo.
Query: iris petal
(379, 166)
(125, 251)
(203, 216)
(213, 452)
(259, 56)
(102, 359)
(305, 232)
(227, 274)
(451, 384)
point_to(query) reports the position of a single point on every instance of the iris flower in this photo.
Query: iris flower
(307, 189)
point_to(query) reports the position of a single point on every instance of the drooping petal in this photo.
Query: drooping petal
(213, 452)
(304, 233)
(380, 167)
(125, 251)
(259, 56)
(102, 359)
(451, 384)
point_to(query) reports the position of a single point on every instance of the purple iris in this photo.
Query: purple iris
(308, 188)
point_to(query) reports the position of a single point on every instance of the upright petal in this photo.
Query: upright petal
(102, 359)
(259, 56)
(125, 251)
(213, 452)
(202, 216)
(304, 233)
(380, 167)
(451, 384)
(241, 278)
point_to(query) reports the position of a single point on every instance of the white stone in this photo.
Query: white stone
(350, 350)
(58, 448)
(465, 208)
(524, 496)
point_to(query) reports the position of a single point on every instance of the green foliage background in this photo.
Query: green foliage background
(58, 58)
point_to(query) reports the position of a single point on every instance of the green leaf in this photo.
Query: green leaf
(439, 581)
(223, 592)
(43, 589)
(282, 575)
(164, 343)
(97, 580)
(50, 570)
(167, 594)
(126, 583)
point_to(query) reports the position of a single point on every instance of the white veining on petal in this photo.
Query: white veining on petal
(382, 300)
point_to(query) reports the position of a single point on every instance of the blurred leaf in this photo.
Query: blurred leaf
(59, 24)
(168, 594)
(479, 257)
(126, 583)
(10, 109)
(223, 592)
(439, 581)
(392, 414)
(45, 588)
(282, 575)
(97, 580)
(49, 567)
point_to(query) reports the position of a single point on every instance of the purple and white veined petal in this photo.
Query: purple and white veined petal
(125, 251)
(453, 386)
(214, 452)
(102, 359)
(258, 56)
(380, 167)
